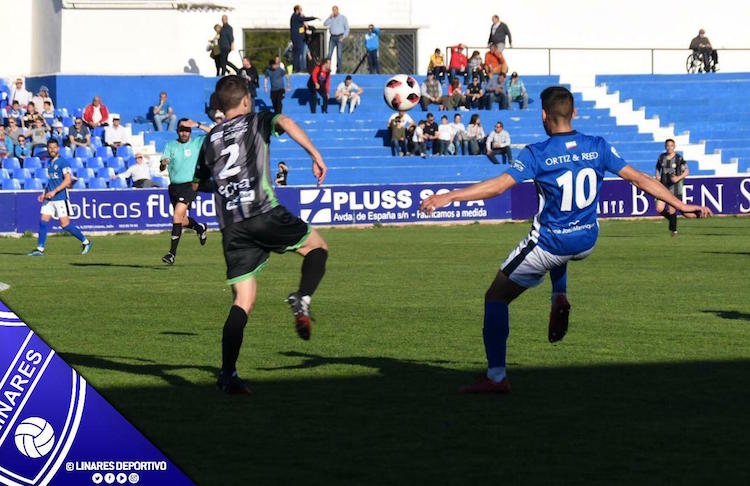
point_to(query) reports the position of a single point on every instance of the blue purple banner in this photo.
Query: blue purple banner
(55, 429)
(149, 209)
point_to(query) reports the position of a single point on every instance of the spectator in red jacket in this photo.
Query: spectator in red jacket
(96, 114)
(459, 63)
(320, 82)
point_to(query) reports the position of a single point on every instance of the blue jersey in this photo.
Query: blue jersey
(56, 172)
(568, 169)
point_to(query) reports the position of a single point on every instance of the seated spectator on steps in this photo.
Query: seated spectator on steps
(164, 113)
(437, 65)
(459, 64)
(498, 142)
(140, 172)
(418, 140)
(494, 62)
(48, 113)
(14, 130)
(495, 92)
(398, 137)
(30, 116)
(460, 138)
(41, 97)
(21, 150)
(348, 91)
(517, 91)
(476, 66)
(96, 114)
(455, 98)
(116, 135)
(431, 134)
(16, 113)
(475, 95)
(38, 134)
(475, 135)
(320, 83)
(431, 92)
(78, 135)
(702, 46)
(405, 119)
(58, 133)
(445, 135)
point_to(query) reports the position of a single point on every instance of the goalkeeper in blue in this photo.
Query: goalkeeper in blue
(568, 169)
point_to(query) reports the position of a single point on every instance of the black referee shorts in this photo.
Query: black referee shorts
(247, 244)
(183, 193)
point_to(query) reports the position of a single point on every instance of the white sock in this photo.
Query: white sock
(86, 241)
(496, 374)
(306, 299)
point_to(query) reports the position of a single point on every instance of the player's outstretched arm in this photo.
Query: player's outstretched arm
(298, 135)
(475, 192)
(656, 189)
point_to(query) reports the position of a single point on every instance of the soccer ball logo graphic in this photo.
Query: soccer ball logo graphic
(401, 92)
(35, 437)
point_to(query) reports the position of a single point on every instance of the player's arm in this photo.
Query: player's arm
(656, 189)
(685, 172)
(298, 135)
(475, 192)
(66, 183)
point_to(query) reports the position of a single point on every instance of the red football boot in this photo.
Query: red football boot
(485, 385)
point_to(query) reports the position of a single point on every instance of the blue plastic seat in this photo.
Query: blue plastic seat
(118, 184)
(97, 132)
(86, 173)
(95, 163)
(68, 121)
(21, 174)
(76, 163)
(79, 184)
(83, 152)
(32, 163)
(39, 151)
(11, 163)
(66, 152)
(41, 173)
(4, 174)
(11, 185)
(97, 142)
(124, 151)
(105, 173)
(104, 152)
(97, 183)
(116, 163)
(33, 183)
(162, 181)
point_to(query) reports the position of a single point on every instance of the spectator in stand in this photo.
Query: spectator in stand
(297, 34)
(338, 27)
(517, 91)
(405, 119)
(320, 83)
(445, 135)
(498, 142)
(431, 134)
(14, 130)
(437, 65)
(79, 135)
(418, 140)
(458, 64)
(30, 116)
(41, 98)
(16, 112)
(38, 134)
(213, 48)
(19, 93)
(226, 45)
(48, 113)
(494, 62)
(460, 138)
(116, 135)
(475, 95)
(495, 92)
(498, 32)
(139, 172)
(372, 45)
(398, 137)
(276, 74)
(58, 133)
(250, 74)
(476, 66)
(475, 135)
(431, 92)
(6, 143)
(701, 45)
(455, 98)
(96, 114)
(347, 90)
(21, 150)
(163, 112)
(282, 174)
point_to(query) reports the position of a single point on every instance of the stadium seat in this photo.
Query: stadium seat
(61, 112)
(124, 151)
(21, 174)
(4, 174)
(11, 163)
(68, 121)
(75, 163)
(41, 173)
(95, 163)
(130, 161)
(116, 163)
(78, 112)
(85, 174)
(104, 152)
(79, 184)
(33, 183)
(105, 173)
(97, 132)
(83, 152)
(11, 185)
(39, 151)
(96, 142)
(32, 163)
(97, 183)
(162, 181)
(66, 152)
(118, 184)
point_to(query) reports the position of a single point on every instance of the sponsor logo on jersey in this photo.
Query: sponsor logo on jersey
(571, 144)
(614, 151)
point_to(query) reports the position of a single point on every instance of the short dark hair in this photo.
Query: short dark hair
(53, 141)
(348, 77)
(557, 101)
(229, 92)
(180, 122)
(444, 117)
(668, 140)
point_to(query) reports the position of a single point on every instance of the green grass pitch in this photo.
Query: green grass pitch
(651, 385)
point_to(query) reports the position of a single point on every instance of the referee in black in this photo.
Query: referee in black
(671, 171)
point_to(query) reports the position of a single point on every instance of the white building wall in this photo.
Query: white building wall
(15, 57)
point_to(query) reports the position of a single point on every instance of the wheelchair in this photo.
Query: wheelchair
(694, 63)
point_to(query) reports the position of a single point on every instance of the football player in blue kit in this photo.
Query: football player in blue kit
(568, 169)
(55, 200)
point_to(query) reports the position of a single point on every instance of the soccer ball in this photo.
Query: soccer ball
(401, 92)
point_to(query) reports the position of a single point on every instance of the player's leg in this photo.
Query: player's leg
(232, 334)
(43, 229)
(180, 216)
(314, 251)
(63, 211)
(560, 307)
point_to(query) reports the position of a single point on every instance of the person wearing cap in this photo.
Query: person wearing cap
(42, 97)
(516, 91)
(58, 132)
(432, 92)
(116, 135)
(459, 63)
(140, 172)
(19, 93)
(702, 46)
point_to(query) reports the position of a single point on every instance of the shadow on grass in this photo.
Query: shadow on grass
(394, 421)
(178, 333)
(119, 265)
(743, 253)
(733, 315)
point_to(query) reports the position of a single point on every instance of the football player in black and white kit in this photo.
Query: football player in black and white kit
(671, 171)
(253, 223)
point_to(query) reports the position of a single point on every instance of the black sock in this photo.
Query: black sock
(313, 269)
(231, 339)
(176, 233)
(673, 222)
(193, 224)
(665, 212)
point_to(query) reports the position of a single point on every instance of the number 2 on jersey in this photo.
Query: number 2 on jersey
(229, 170)
(586, 176)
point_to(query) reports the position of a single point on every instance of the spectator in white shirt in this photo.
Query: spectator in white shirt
(498, 142)
(406, 120)
(445, 135)
(348, 91)
(19, 93)
(116, 135)
(460, 139)
(139, 172)
(42, 97)
(420, 148)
